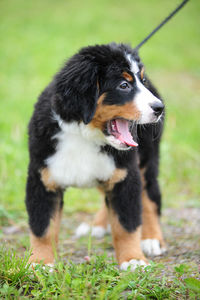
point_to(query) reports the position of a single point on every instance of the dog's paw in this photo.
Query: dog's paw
(96, 231)
(133, 264)
(152, 247)
(49, 267)
(82, 230)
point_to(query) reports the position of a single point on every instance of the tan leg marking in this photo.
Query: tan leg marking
(47, 180)
(118, 176)
(150, 219)
(43, 248)
(127, 245)
(101, 218)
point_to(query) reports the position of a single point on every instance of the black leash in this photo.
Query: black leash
(161, 24)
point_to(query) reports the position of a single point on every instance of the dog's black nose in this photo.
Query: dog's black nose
(158, 108)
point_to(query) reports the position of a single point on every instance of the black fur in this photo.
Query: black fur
(73, 95)
(126, 195)
(40, 203)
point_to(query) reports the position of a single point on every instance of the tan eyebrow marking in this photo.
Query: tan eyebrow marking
(142, 73)
(127, 76)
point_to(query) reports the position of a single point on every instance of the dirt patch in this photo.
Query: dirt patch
(182, 233)
(181, 230)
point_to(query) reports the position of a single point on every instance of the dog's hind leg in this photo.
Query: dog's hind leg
(100, 226)
(44, 205)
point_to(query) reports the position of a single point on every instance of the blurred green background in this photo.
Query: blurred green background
(37, 36)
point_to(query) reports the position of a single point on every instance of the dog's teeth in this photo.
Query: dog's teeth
(113, 127)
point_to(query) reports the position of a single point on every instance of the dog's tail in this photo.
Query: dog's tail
(161, 24)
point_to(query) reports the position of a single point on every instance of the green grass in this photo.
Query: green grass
(35, 38)
(97, 279)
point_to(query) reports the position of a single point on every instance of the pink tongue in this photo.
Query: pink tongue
(125, 136)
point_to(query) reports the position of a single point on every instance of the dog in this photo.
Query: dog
(98, 124)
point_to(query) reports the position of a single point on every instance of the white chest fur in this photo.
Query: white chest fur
(78, 160)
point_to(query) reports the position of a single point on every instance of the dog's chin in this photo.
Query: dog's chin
(115, 143)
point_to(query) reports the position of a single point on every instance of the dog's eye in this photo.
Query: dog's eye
(124, 86)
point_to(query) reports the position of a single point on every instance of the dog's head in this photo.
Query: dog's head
(105, 88)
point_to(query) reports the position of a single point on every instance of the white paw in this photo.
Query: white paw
(108, 229)
(133, 263)
(151, 247)
(49, 267)
(83, 229)
(96, 231)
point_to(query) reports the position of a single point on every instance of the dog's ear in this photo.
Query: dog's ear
(77, 90)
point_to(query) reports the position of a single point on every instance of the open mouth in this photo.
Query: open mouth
(120, 130)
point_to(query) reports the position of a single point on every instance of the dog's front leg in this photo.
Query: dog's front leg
(124, 206)
(44, 205)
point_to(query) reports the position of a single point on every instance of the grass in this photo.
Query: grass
(96, 279)
(35, 38)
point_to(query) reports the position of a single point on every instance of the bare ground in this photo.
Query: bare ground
(181, 230)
